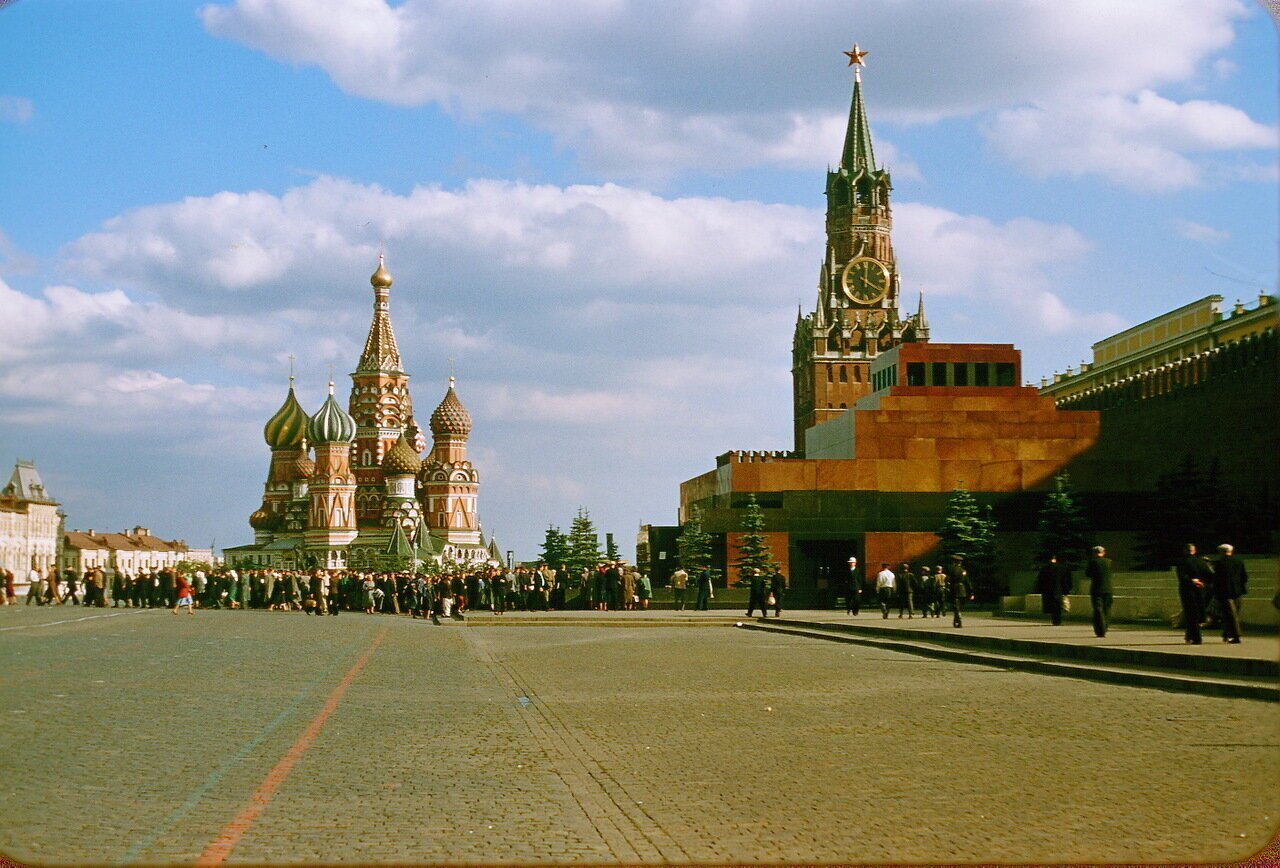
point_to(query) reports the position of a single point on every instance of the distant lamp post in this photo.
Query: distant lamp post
(511, 558)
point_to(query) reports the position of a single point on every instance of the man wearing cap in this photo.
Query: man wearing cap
(853, 599)
(1230, 583)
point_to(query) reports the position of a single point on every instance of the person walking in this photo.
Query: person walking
(885, 583)
(185, 598)
(644, 590)
(957, 588)
(756, 594)
(906, 590)
(679, 584)
(777, 587)
(1230, 583)
(35, 588)
(1194, 575)
(1053, 582)
(853, 595)
(1098, 572)
(705, 592)
(10, 597)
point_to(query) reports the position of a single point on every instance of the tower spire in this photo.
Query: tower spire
(380, 350)
(857, 154)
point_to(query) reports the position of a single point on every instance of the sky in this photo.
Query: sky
(605, 212)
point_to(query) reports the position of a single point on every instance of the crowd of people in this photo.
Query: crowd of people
(611, 586)
(930, 592)
(1210, 590)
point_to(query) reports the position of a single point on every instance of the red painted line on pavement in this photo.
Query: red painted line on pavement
(221, 846)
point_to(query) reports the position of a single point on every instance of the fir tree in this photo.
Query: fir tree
(753, 549)
(971, 533)
(584, 543)
(695, 548)
(555, 547)
(1063, 527)
(610, 548)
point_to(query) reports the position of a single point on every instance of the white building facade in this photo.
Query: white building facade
(29, 525)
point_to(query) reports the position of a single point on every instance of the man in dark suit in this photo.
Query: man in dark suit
(957, 588)
(756, 598)
(1053, 583)
(1230, 583)
(853, 600)
(1098, 571)
(1194, 575)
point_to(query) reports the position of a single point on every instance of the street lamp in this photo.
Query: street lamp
(511, 558)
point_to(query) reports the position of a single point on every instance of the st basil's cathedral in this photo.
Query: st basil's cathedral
(368, 498)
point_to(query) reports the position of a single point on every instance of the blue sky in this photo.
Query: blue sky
(605, 211)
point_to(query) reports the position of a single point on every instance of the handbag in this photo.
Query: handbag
(1066, 604)
(771, 600)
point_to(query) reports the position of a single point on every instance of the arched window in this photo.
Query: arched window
(829, 379)
(844, 374)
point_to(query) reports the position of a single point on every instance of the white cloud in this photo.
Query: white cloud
(1143, 142)
(630, 335)
(640, 89)
(16, 109)
(1199, 232)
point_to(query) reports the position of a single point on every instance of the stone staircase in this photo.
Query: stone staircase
(1145, 597)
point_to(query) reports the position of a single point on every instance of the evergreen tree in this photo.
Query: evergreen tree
(555, 547)
(695, 548)
(1063, 527)
(970, 533)
(610, 548)
(753, 548)
(584, 543)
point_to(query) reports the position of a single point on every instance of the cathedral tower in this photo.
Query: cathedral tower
(857, 316)
(285, 433)
(450, 484)
(331, 522)
(380, 403)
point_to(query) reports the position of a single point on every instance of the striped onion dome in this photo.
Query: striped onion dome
(261, 519)
(401, 459)
(331, 423)
(288, 426)
(451, 419)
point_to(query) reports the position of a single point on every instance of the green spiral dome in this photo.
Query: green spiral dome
(331, 424)
(287, 427)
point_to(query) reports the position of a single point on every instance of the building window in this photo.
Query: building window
(982, 374)
(939, 370)
(1004, 374)
(830, 376)
(857, 375)
(915, 373)
(844, 374)
(960, 374)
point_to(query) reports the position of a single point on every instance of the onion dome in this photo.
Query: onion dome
(331, 423)
(381, 278)
(451, 419)
(287, 427)
(261, 519)
(401, 459)
(302, 467)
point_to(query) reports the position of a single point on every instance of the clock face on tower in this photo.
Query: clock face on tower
(865, 280)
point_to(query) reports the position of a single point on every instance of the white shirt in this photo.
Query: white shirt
(885, 579)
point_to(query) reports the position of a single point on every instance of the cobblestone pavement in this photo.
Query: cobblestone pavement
(148, 737)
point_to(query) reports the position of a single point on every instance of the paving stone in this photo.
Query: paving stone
(140, 737)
